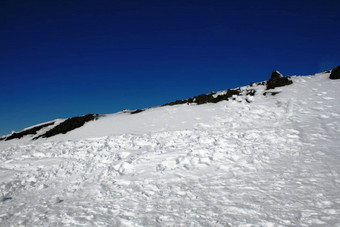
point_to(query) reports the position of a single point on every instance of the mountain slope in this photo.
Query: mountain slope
(63, 126)
(271, 160)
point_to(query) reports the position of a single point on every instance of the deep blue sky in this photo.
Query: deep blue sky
(64, 58)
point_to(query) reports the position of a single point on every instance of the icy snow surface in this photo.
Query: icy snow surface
(272, 162)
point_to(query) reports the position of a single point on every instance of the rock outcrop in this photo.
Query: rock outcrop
(335, 74)
(69, 125)
(278, 80)
(31, 131)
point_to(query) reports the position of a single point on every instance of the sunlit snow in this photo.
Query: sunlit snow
(271, 162)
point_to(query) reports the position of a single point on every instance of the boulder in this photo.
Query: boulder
(335, 74)
(275, 75)
(278, 80)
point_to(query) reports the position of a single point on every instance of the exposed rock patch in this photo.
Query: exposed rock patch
(31, 131)
(212, 97)
(69, 125)
(335, 74)
(270, 93)
(137, 111)
(278, 80)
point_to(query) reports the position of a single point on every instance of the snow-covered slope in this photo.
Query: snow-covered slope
(253, 161)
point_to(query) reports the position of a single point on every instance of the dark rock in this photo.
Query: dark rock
(251, 92)
(209, 98)
(137, 111)
(69, 125)
(177, 102)
(6, 198)
(270, 93)
(275, 75)
(262, 83)
(277, 80)
(31, 131)
(335, 74)
(201, 99)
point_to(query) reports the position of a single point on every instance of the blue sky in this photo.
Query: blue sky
(61, 59)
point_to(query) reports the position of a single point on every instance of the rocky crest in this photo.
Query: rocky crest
(335, 74)
(278, 80)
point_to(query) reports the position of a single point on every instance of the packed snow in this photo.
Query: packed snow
(271, 162)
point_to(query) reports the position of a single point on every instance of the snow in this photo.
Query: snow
(271, 162)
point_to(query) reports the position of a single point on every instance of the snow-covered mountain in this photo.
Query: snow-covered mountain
(65, 126)
(266, 154)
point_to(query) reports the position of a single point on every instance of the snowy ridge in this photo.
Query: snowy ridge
(270, 162)
(240, 94)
